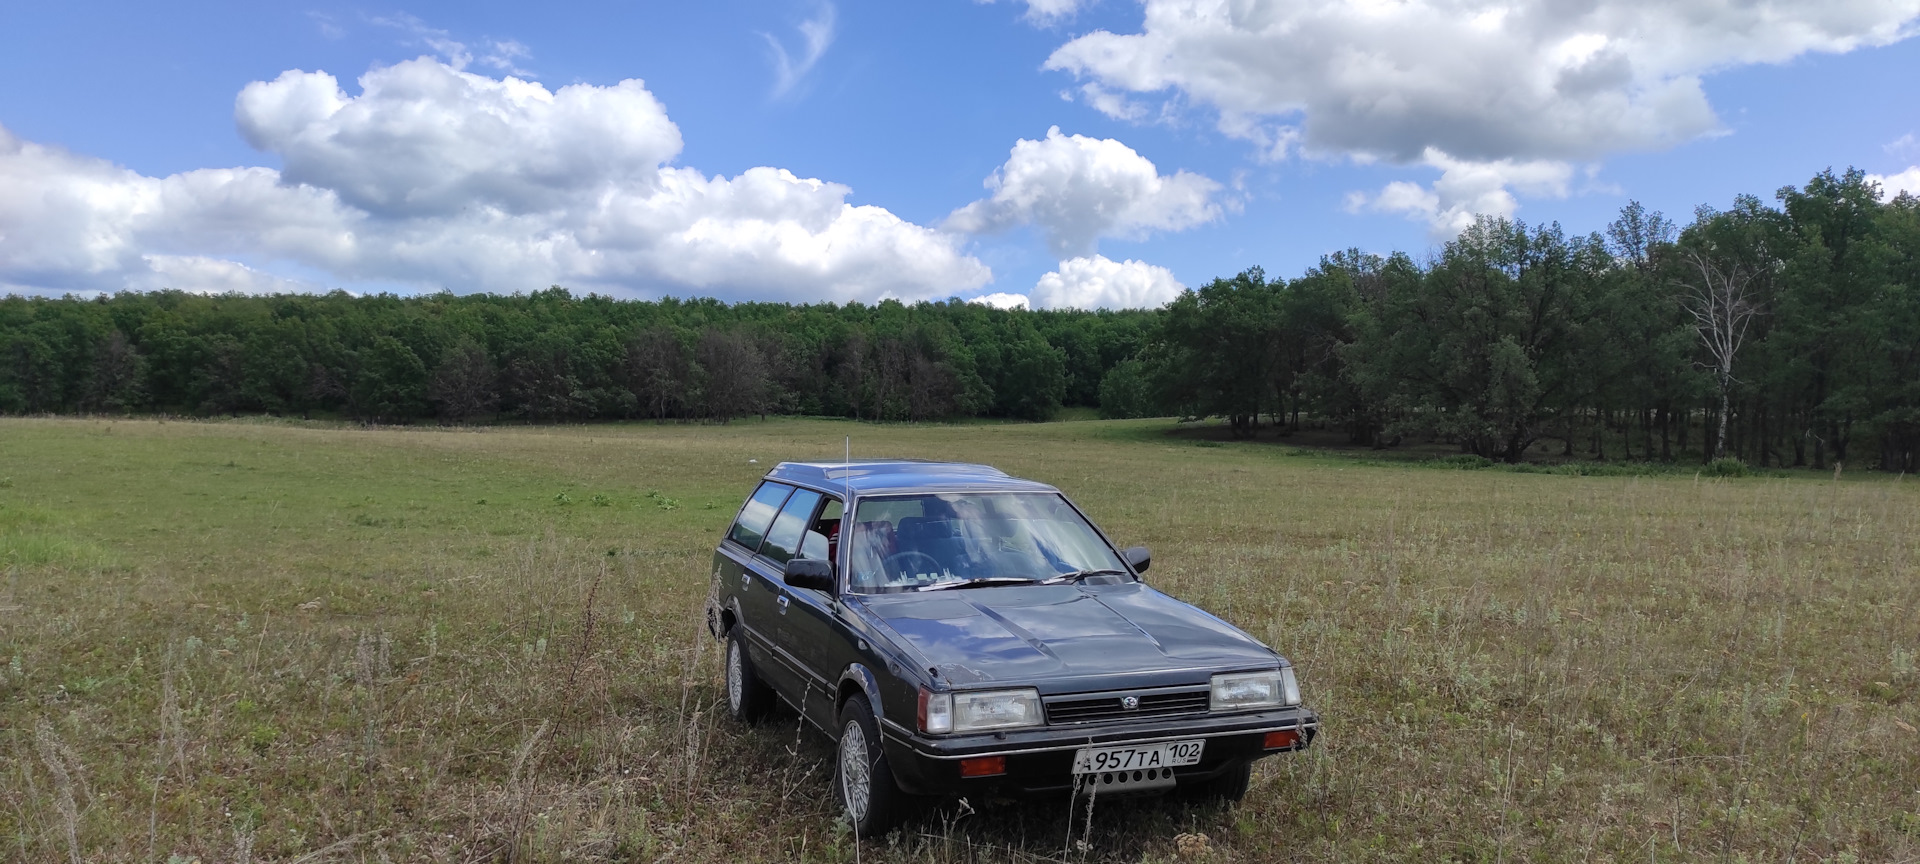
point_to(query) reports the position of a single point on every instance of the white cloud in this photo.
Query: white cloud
(1466, 189)
(1002, 300)
(1904, 147)
(1482, 80)
(325, 23)
(424, 138)
(1102, 283)
(436, 177)
(1273, 142)
(1892, 185)
(503, 56)
(205, 275)
(1079, 189)
(69, 222)
(1495, 86)
(1045, 12)
(1109, 103)
(816, 34)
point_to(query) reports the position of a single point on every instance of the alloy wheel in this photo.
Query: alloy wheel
(856, 773)
(736, 683)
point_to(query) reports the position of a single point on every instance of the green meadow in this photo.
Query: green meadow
(265, 641)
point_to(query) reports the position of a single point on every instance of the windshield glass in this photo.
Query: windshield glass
(915, 541)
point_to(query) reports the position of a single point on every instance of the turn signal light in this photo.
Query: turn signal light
(1281, 739)
(983, 766)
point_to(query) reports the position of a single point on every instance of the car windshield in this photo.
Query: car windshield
(913, 542)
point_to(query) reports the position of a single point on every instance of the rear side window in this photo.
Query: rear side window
(758, 514)
(783, 540)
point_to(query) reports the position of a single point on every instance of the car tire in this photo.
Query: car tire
(748, 697)
(1229, 786)
(862, 778)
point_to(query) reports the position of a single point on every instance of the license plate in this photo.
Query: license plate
(1173, 754)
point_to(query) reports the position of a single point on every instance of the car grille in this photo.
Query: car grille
(1096, 707)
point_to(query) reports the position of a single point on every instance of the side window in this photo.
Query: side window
(758, 514)
(783, 539)
(823, 536)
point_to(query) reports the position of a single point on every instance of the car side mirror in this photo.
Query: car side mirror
(1138, 558)
(810, 573)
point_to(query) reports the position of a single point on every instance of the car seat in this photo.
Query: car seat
(935, 536)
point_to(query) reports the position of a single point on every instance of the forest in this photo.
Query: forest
(1783, 334)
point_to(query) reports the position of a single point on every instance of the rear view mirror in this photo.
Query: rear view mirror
(810, 573)
(1138, 557)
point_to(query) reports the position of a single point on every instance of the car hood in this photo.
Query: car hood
(1131, 634)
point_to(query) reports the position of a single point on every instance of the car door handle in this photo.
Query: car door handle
(746, 581)
(783, 604)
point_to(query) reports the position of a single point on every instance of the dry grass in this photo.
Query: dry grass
(256, 641)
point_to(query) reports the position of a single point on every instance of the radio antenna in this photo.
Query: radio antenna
(846, 509)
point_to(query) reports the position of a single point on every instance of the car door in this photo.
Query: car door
(783, 541)
(809, 626)
(755, 594)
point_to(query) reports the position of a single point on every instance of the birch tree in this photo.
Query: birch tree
(1726, 269)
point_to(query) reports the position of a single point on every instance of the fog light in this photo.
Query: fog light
(1281, 739)
(983, 766)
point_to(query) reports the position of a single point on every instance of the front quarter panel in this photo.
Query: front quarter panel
(888, 668)
(860, 677)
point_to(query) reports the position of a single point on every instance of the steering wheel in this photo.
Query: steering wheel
(897, 563)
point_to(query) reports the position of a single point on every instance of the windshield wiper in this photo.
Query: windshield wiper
(1078, 575)
(980, 582)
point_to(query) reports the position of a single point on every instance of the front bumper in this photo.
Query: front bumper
(1041, 760)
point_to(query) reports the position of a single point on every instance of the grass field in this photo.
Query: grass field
(250, 641)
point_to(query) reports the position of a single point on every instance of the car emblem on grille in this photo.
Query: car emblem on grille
(1131, 703)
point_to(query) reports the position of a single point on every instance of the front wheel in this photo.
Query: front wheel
(748, 697)
(1229, 786)
(863, 780)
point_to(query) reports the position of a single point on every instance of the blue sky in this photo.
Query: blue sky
(1268, 134)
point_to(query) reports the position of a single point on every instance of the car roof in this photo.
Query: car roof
(873, 477)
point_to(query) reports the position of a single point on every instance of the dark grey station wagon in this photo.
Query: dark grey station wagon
(969, 632)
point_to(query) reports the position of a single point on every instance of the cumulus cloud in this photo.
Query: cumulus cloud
(424, 138)
(437, 177)
(1466, 189)
(1488, 83)
(1079, 189)
(69, 222)
(1480, 80)
(1102, 283)
(816, 34)
(1002, 300)
(1891, 185)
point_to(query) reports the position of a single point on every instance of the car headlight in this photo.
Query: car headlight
(979, 711)
(1243, 690)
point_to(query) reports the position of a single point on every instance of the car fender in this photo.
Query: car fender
(869, 686)
(730, 606)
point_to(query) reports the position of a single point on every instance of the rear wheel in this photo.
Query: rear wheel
(748, 697)
(862, 778)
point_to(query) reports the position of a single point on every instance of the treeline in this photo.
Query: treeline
(549, 356)
(1779, 335)
(1785, 335)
